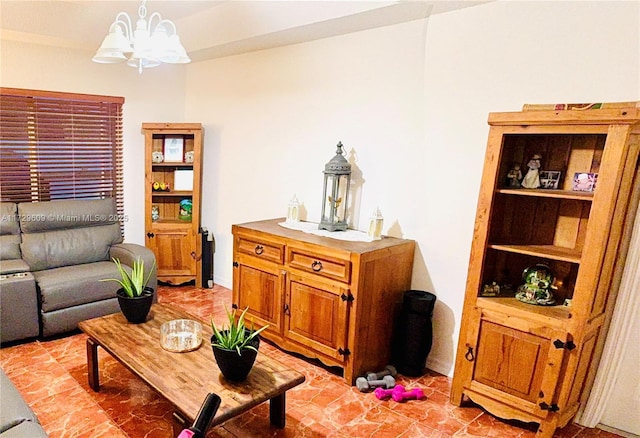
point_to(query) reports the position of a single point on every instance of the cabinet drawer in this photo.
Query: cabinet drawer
(260, 248)
(323, 265)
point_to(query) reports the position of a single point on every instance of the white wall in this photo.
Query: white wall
(158, 95)
(496, 57)
(412, 101)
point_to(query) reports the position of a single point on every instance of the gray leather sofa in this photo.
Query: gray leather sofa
(52, 256)
(17, 420)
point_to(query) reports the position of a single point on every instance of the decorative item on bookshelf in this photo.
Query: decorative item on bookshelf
(550, 179)
(532, 178)
(514, 176)
(495, 289)
(160, 186)
(174, 148)
(157, 157)
(189, 157)
(585, 182)
(185, 210)
(155, 213)
(183, 179)
(538, 282)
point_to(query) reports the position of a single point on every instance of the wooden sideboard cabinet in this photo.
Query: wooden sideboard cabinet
(324, 298)
(537, 363)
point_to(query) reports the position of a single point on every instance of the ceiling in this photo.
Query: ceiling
(211, 28)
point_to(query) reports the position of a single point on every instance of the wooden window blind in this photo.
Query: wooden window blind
(60, 146)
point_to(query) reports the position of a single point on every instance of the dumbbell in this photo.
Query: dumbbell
(365, 385)
(413, 394)
(389, 370)
(382, 394)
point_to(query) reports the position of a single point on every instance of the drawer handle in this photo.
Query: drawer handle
(259, 249)
(316, 266)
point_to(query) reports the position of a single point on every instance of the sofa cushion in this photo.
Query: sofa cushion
(9, 231)
(9, 218)
(57, 292)
(13, 409)
(53, 249)
(37, 217)
(13, 266)
(9, 247)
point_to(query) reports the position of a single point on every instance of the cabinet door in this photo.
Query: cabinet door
(174, 249)
(520, 365)
(316, 315)
(258, 286)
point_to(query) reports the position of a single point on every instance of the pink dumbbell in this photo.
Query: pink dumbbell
(382, 394)
(413, 394)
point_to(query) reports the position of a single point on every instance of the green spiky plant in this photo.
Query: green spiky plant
(133, 284)
(235, 336)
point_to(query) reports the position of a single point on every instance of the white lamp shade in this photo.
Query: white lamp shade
(174, 52)
(108, 56)
(113, 47)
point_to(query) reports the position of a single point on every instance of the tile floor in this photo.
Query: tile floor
(52, 376)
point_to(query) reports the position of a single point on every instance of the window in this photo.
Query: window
(60, 146)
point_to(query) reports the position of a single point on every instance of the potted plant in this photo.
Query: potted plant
(134, 297)
(235, 346)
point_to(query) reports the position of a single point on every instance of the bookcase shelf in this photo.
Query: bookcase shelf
(537, 363)
(170, 232)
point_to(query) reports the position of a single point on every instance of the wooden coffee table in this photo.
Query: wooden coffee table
(185, 379)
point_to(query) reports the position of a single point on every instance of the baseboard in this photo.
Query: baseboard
(440, 366)
(622, 433)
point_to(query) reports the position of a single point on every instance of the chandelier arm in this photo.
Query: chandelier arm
(160, 20)
(169, 22)
(128, 28)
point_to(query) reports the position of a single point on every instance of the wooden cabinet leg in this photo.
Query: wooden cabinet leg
(547, 428)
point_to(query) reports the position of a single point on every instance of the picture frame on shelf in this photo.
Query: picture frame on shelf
(550, 179)
(183, 180)
(584, 181)
(174, 148)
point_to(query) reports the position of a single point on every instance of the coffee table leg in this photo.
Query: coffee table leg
(92, 364)
(276, 410)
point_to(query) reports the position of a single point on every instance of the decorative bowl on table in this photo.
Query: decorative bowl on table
(181, 335)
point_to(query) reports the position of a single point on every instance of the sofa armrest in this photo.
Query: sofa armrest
(127, 253)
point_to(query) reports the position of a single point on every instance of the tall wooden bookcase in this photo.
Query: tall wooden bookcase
(177, 169)
(530, 362)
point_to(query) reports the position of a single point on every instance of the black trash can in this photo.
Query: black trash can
(414, 333)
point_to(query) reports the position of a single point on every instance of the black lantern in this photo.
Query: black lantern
(335, 199)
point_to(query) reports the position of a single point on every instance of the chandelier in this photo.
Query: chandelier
(146, 46)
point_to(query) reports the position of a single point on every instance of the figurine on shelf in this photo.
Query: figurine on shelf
(538, 282)
(532, 178)
(186, 208)
(514, 176)
(490, 290)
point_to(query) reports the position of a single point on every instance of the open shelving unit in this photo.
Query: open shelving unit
(529, 362)
(171, 234)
